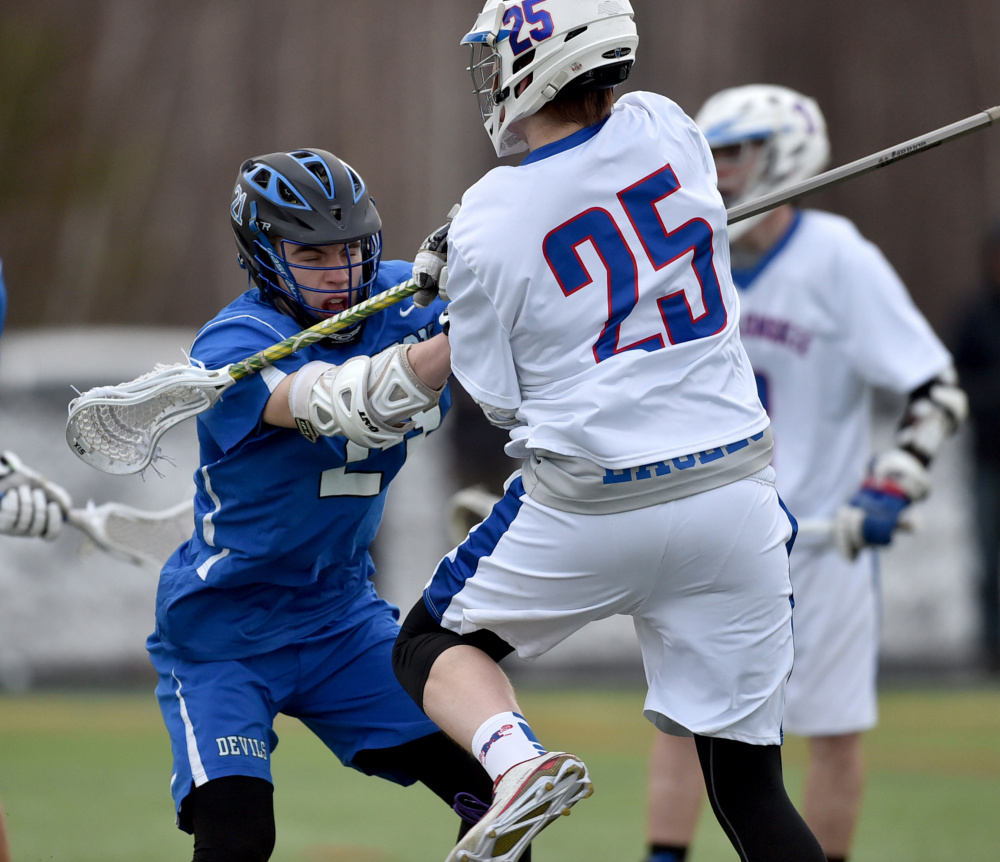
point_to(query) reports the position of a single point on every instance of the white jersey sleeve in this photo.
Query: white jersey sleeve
(483, 328)
(888, 341)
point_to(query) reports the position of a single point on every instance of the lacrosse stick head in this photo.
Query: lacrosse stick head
(116, 428)
(134, 535)
(288, 206)
(777, 136)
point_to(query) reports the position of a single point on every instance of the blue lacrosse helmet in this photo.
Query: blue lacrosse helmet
(304, 197)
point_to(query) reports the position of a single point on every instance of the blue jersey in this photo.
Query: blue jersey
(282, 525)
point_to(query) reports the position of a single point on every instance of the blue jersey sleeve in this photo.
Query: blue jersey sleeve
(232, 336)
(391, 273)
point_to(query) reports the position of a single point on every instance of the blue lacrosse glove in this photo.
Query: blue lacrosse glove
(878, 509)
(882, 508)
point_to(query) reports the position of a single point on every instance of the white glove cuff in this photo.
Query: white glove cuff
(848, 523)
(350, 394)
(903, 469)
(502, 417)
(300, 397)
(333, 401)
(394, 391)
(368, 400)
(13, 474)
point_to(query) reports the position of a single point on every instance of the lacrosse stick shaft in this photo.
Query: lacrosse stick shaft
(116, 428)
(317, 332)
(866, 164)
(820, 528)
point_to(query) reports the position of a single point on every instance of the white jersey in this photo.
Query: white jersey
(824, 319)
(591, 293)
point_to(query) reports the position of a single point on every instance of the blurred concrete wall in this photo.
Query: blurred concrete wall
(122, 125)
(69, 612)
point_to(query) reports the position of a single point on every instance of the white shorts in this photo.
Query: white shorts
(705, 579)
(832, 687)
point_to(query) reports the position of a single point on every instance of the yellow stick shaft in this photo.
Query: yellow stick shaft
(319, 331)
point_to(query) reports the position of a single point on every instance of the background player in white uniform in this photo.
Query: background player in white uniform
(824, 319)
(269, 606)
(593, 313)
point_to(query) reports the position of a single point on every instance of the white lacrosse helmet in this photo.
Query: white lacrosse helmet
(789, 126)
(591, 42)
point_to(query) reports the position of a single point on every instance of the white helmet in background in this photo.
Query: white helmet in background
(551, 43)
(788, 126)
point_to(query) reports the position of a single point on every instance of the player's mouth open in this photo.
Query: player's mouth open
(335, 304)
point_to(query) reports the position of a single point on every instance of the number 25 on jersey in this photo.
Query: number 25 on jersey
(661, 246)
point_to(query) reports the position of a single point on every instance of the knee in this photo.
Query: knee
(422, 639)
(841, 753)
(232, 819)
(736, 771)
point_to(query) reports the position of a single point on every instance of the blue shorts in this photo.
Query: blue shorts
(339, 683)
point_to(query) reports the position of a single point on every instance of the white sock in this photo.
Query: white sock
(503, 741)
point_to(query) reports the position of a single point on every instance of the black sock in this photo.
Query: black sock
(667, 853)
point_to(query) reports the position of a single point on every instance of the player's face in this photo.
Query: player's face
(325, 274)
(734, 165)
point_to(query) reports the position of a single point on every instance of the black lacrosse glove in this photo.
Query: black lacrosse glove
(430, 267)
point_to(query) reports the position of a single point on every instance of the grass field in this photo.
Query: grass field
(83, 778)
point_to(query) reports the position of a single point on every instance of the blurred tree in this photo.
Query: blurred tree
(123, 123)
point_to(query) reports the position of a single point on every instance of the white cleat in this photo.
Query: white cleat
(526, 799)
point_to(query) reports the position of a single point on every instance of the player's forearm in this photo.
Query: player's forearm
(430, 361)
(277, 411)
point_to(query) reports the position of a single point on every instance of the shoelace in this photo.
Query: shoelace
(470, 808)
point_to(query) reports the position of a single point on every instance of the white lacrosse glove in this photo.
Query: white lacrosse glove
(30, 504)
(430, 266)
(501, 417)
(370, 401)
(872, 516)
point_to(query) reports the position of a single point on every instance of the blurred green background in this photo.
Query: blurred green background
(84, 778)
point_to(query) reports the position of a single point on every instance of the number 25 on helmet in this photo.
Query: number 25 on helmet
(525, 52)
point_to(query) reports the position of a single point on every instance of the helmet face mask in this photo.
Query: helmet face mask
(308, 234)
(524, 53)
(782, 131)
(740, 166)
